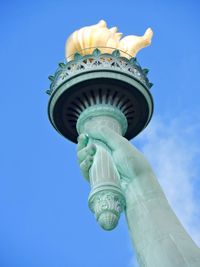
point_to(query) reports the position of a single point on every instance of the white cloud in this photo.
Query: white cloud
(173, 149)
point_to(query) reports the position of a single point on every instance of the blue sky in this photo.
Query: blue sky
(45, 221)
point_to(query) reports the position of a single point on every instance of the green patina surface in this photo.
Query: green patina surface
(97, 70)
(98, 61)
(120, 177)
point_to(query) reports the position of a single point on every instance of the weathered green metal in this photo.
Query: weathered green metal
(105, 111)
(98, 61)
(158, 237)
(101, 98)
(101, 89)
(82, 82)
(106, 199)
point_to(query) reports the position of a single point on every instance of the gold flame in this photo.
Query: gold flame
(86, 39)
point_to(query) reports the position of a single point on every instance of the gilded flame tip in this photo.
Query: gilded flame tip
(86, 39)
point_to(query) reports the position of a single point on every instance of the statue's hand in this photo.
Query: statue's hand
(85, 153)
(129, 161)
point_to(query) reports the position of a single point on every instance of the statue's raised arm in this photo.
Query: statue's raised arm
(158, 237)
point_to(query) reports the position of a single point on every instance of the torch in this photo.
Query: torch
(101, 84)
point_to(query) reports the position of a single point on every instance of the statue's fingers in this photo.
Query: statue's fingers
(82, 141)
(108, 136)
(89, 150)
(85, 166)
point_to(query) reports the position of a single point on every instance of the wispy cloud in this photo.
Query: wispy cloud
(173, 149)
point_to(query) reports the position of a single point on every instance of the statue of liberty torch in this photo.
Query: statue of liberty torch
(101, 96)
